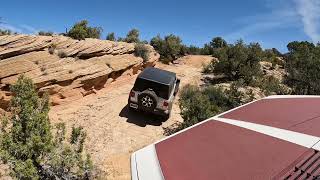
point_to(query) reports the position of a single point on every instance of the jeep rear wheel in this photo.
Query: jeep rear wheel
(147, 101)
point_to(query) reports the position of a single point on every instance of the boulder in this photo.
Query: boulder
(272, 70)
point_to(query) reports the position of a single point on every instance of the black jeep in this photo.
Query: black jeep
(154, 91)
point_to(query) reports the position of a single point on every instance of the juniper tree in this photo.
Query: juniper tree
(132, 36)
(28, 138)
(81, 30)
(111, 37)
(29, 148)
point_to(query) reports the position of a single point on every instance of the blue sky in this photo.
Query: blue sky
(272, 23)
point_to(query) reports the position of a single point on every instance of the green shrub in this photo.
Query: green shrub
(81, 30)
(240, 61)
(206, 50)
(271, 86)
(45, 33)
(67, 160)
(196, 109)
(141, 50)
(277, 61)
(218, 42)
(121, 39)
(28, 136)
(192, 50)
(159, 45)
(5, 32)
(111, 37)
(273, 56)
(169, 48)
(144, 42)
(224, 99)
(270, 53)
(303, 67)
(211, 48)
(197, 105)
(132, 36)
(27, 145)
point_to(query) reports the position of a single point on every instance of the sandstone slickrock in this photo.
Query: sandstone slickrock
(276, 71)
(85, 66)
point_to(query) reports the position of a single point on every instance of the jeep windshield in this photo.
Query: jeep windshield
(161, 90)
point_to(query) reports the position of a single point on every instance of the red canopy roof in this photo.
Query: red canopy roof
(215, 150)
(273, 138)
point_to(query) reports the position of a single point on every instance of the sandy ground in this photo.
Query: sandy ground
(114, 132)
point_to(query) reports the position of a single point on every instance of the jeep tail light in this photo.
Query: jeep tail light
(165, 103)
(132, 94)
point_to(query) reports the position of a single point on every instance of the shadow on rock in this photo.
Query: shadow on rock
(140, 118)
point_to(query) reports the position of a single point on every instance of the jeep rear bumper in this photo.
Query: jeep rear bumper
(156, 111)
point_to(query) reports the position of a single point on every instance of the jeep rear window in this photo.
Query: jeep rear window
(160, 89)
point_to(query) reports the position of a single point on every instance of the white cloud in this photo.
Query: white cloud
(263, 23)
(309, 10)
(282, 14)
(10, 27)
(29, 29)
(19, 28)
(303, 14)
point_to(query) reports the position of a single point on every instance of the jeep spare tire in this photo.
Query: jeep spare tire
(147, 101)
